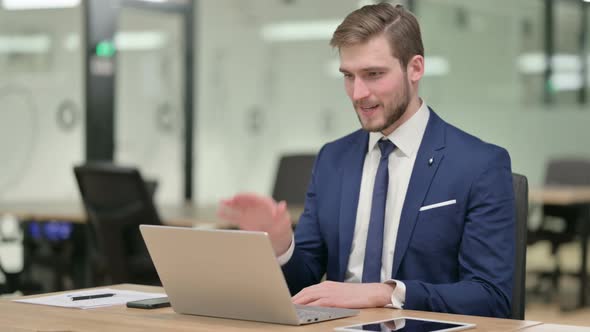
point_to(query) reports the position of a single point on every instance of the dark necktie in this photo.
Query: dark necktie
(374, 247)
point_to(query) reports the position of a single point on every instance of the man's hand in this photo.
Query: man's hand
(253, 212)
(345, 295)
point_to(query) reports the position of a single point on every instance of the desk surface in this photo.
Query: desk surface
(560, 195)
(180, 214)
(28, 317)
(184, 214)
(556, 328)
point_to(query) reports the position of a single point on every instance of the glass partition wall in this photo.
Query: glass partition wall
(41, 103)
(149, 94)
(268, 83)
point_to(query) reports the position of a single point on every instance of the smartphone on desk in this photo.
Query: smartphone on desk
(159, 302)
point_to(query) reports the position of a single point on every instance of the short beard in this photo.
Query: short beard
(393, 113)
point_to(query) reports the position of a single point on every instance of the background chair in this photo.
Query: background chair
(292, 179)
(117, 201)
(559, 223)
(521, 197)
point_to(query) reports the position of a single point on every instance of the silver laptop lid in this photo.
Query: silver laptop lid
(220, 273)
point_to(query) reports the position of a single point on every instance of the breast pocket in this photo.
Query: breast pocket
(437, 228)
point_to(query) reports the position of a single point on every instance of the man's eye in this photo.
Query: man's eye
(375, 73)
(347, 75)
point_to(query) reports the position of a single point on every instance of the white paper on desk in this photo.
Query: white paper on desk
(65, 299)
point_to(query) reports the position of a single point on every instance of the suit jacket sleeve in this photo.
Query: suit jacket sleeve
(486, 252)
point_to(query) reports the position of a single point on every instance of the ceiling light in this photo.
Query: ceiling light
(297, 31)
(139, 40)
(534, 63)
(25, 44)
(38, 4)
(566, 81)
(435, 65)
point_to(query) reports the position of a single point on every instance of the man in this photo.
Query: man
(409, 212)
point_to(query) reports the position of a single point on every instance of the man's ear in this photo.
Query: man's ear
(416, 68)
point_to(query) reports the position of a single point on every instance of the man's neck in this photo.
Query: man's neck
(413, 107)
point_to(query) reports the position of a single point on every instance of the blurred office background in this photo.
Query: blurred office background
(266, 84)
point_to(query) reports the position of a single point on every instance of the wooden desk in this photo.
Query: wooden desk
(556, 328)
(183, 214)
(28, 317)
(560, 195)
(177, 214)
(571, 196)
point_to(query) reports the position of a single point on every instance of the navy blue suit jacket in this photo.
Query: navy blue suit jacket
(458, 258)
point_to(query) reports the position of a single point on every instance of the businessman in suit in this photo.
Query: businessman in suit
(408, 212)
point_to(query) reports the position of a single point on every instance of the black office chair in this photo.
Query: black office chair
(292, 179)
(559, 224)
(521, 197)
(117, 201)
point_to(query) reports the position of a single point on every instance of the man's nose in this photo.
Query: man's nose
(360, 90)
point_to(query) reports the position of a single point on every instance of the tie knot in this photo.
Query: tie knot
(386, 147)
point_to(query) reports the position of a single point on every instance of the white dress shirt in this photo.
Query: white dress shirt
(407, 139)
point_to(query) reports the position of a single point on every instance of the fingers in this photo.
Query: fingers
(231, 215)
(247, 200)
(309, 294)
(299, 296)
(315, 295)
(231, 211)
(304, 299)
(318, 303)
(249, 211)
(282, 212)
(326, 302)
(281, 207)
(333, 294)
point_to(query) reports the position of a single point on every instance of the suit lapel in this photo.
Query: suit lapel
(432, 146)
(352, 170)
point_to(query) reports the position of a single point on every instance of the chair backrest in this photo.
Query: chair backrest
(117, 201)
(292, 179)
(568, 171)
(521, 197)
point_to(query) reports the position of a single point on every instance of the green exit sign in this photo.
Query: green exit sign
(105, 49)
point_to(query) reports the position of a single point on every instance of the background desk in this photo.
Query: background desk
(560, 195)
(571, 196)
(67, 258)
(174, 214)
(183, 214)
(28, 317)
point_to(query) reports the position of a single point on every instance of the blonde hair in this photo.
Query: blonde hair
(399, 26)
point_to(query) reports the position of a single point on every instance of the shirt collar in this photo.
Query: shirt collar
(408, 136)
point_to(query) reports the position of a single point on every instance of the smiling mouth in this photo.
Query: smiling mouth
(368, 108)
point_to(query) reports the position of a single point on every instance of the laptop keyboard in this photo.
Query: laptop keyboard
(308, 316)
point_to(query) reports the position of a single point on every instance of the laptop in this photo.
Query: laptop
(228, 274)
